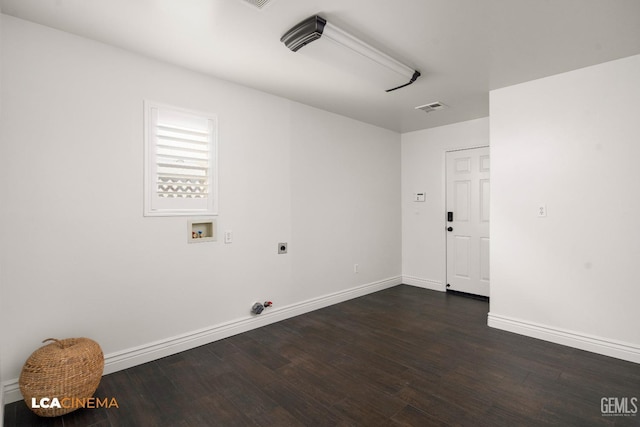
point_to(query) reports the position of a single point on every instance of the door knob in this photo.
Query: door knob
(449, 228)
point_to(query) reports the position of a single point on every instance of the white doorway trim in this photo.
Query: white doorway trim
(476, 230)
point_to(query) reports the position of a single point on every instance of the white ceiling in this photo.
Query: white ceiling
(463, 48)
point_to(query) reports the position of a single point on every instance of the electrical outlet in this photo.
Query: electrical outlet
(542, 210)
(228, 236)
(356, 268)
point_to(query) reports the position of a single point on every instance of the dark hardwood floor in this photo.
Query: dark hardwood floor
(402, 356)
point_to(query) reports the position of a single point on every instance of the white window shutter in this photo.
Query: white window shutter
(180, 161)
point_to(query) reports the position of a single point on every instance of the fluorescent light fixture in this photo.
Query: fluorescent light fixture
(396, 74)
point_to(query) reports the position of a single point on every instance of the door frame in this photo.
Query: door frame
(444, 205)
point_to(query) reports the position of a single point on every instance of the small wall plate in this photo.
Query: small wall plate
(282, 248)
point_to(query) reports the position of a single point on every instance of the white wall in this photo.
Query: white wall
(77, 257)
(570, 141)
(423, 223)
(346, 204)
(1, 269)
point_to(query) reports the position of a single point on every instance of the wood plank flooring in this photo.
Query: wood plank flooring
(402, 356)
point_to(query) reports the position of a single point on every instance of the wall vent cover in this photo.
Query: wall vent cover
(432, 106)
(258, 3)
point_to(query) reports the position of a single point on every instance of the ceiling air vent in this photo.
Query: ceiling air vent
(433, 106)
(258, 3)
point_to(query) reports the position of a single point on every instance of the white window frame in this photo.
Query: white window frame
(154, 203)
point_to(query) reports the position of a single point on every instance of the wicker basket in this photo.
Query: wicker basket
(69, 368)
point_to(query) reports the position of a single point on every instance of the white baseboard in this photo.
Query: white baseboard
(424, 283)
(131, 357)
(1, 405)
(11, 392)
(620, 350)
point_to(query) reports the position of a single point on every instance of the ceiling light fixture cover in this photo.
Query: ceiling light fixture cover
(316, 27)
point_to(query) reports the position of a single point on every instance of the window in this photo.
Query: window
(180, 162)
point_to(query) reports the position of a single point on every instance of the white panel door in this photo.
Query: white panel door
(467, 220)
